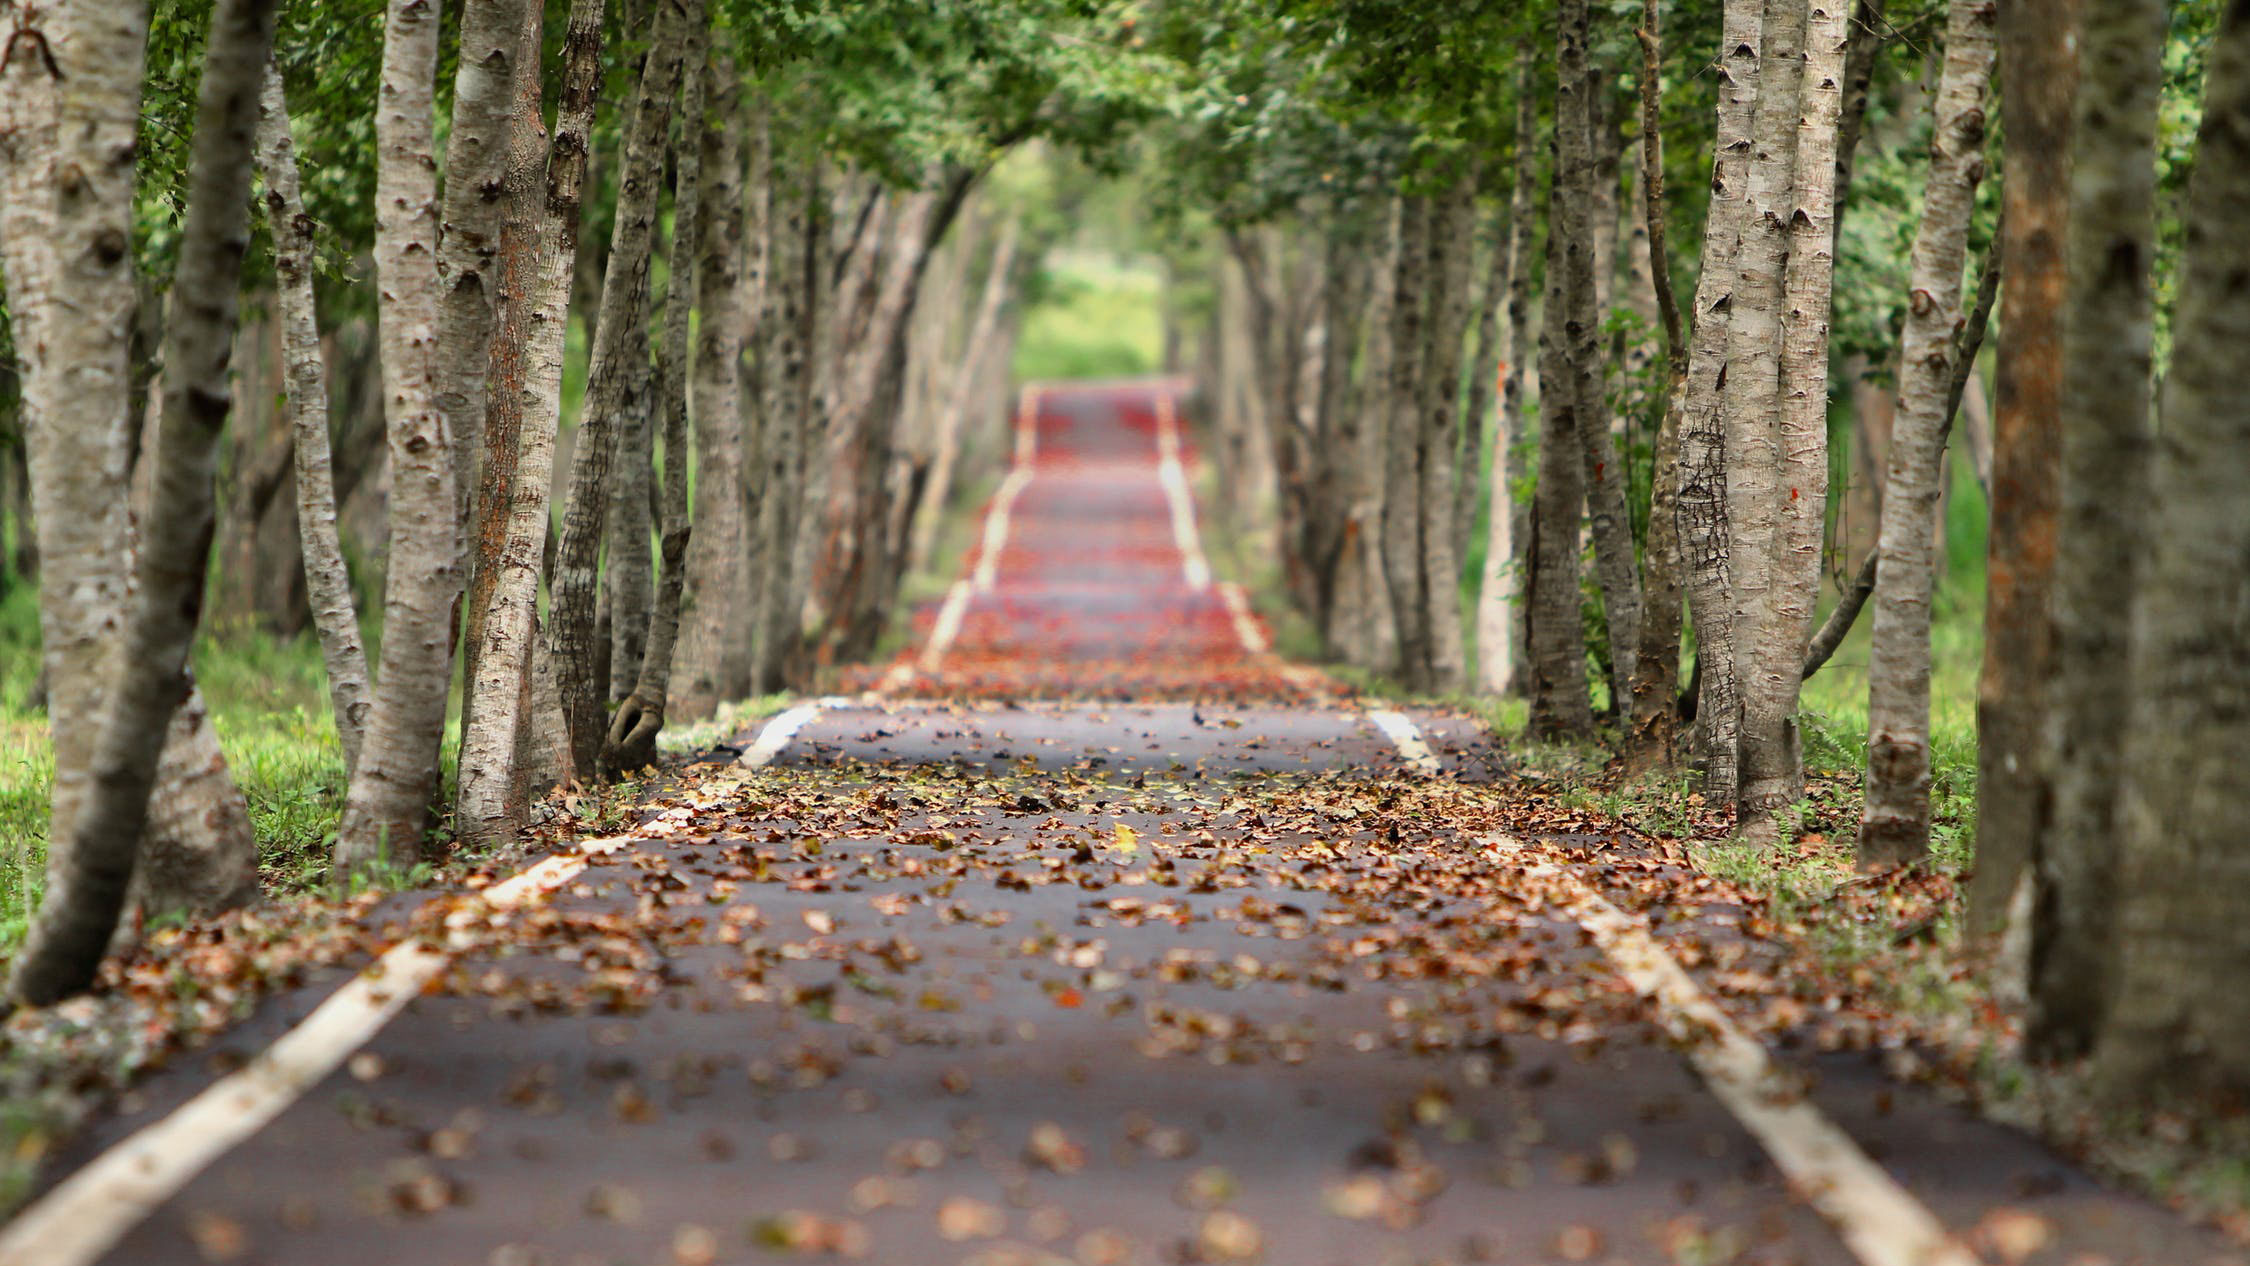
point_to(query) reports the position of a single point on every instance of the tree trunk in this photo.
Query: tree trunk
(335, 608)
(715, 643)
(1560, 704)
(1771, 677)
(1588, 264)
(976, 351)
(476, 153)
(1452, 244)
(1750, 416)
(2111, 244)
(523, 407)
(1652, 741)
(62, 241)
(620, 343)
(1483, 389)
(77, 919)
(795, 269)
(1402, 429)
(2039, 63)
(2179, 1030)
(628, 574)
(1705, 538)
(1895, 826)
(1499, 649)
(388, 804)
(631, 743)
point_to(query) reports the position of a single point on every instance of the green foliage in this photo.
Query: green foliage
(1095, 318)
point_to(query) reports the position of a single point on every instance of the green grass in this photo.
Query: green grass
(1094, 318)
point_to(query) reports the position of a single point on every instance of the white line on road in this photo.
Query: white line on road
(1878, 1220)
(89, 1212)
(1245, 624)
(1407, 737)
(1173, 476)
(996, 527)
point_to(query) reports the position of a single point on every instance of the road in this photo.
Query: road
(1091, 933)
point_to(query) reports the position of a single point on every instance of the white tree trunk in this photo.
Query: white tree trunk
(1895, 826)
(388, 805)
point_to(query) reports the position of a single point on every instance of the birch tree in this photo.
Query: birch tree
(387, 806)
(334, 606)
(538, 250)
(1895, 825)
(79, 916)
(619, 337)
(1498, 619)
(1705, 540)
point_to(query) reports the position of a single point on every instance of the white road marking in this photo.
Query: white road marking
(89, 1212)
(948, 626)
(1407, 737)
(996, 527)
(1027, 425)
(1173, 476)
(1878, 1220)
(1245, 624)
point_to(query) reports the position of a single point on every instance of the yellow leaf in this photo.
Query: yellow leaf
(1127, 839)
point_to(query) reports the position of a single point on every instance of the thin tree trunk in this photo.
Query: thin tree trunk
(388, 804)
(714, 654)
(1895, 826)
(628, 574)
(976, 350)
(75, 923)
(2038, 63)
(1499, 650)
(2105, 445)
(1483, 389)
(1560, 702)
(1868, 36)
(2178, 1033)
(1451, 253)
(1402, 431)
(1770, 772)
(1652, 742)
(620, 341)
(1706, 545)
(631, 743)
(523, 407)
(335, 608)
(1750, 416)
(796, 268)
(1580, 123)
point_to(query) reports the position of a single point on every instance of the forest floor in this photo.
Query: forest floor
(1090, 930)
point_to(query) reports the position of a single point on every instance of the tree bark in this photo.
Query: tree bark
(1402, 429)
(1705, 538)
(628, 574)
(1451, 253)
(1588, 264)
(795, 268)
(1895, 826)
(1499, 649)
(1652, 741)
(1750, 416)
(2111, 243)
(75, 923)
(715, 642)
(523, 407)
(631, 743)
(476, 153)
(2179, 1028)
(620, 341)
(388, 804)
(1483, 388)
(79, 413)
(2038, 63)
(1771, 775)
(1561, 706)
(334, 606)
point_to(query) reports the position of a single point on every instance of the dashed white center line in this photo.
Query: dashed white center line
(1407, 738)
(1195, 567)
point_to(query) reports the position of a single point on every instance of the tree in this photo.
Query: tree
(2107, 349)
(388, 804)
(2179, 1025)
(79, 916)
(1895, 826)
(2039, 67)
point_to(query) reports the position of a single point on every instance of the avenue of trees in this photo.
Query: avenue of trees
(611, 360)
